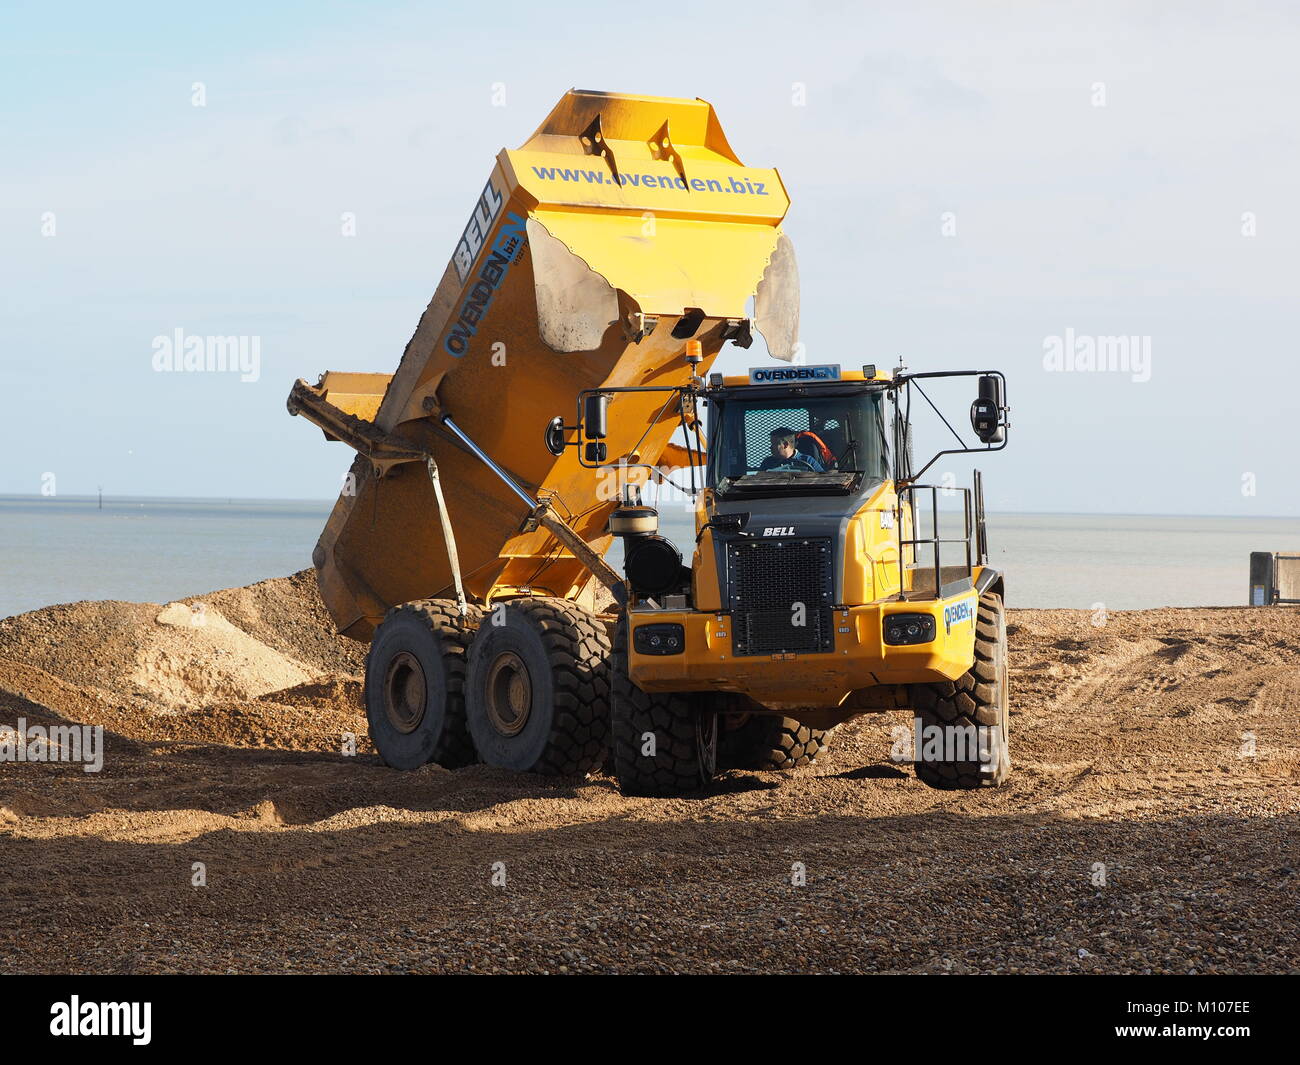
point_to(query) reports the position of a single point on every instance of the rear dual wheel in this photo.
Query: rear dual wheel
(524, 686)
(415, 685)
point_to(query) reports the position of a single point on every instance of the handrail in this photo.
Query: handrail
(934, 539)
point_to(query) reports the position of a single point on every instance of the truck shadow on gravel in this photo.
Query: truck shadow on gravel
(874, 772)
(665, 886)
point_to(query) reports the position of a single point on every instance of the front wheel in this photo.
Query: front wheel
(961, 725)
(665, 743)
(770, 741)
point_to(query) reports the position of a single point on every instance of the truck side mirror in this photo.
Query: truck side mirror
(986, 411)
(595, 416)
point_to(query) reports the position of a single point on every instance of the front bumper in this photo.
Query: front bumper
(860, 658)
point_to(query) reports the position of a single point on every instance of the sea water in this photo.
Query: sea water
(64, 549)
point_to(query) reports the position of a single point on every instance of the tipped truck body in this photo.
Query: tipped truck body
(567, 258)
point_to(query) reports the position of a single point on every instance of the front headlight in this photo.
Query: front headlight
(909, 628)
(660, 639)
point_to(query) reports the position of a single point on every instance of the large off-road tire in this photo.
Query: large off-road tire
(976, 698)
(664, 743)
(415, 679)
(537, 687)
(769, 741)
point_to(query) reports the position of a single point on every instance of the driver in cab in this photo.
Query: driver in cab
(785, 456)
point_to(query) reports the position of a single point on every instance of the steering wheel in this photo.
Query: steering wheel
(798, 462)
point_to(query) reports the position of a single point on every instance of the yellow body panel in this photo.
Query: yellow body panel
(707, 188)
(357, 394)
(647, 256)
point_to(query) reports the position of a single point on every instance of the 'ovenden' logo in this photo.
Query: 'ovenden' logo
(510, 239)
(958, 613)
(771, 375)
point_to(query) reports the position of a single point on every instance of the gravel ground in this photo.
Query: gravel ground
(1160, 749)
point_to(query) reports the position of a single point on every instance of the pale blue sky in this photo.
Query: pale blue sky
(1122, 219)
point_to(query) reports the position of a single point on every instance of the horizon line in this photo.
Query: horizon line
(328, 502)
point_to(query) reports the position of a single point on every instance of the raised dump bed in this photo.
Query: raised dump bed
(623, 228)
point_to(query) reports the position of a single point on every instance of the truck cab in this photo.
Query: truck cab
(796, 456)
(809, 598)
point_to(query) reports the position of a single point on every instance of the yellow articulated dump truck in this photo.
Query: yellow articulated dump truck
(557, 385)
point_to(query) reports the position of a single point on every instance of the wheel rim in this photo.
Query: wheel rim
(405, 692)
(509, 694)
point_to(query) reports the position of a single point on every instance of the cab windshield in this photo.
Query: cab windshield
(797, 442)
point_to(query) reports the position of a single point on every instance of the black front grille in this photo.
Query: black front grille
(776, 584)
